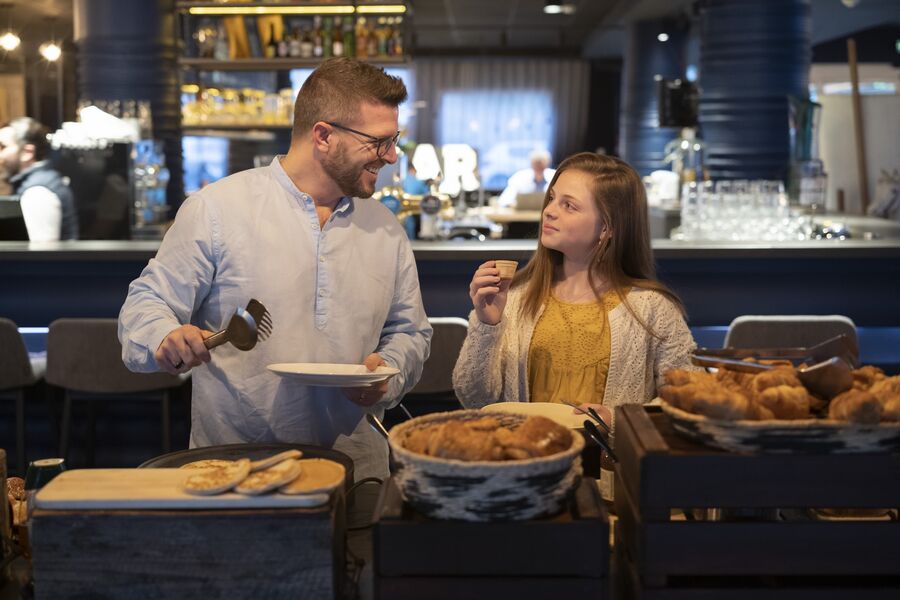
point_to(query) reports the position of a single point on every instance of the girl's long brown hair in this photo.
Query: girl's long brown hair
(623, 257)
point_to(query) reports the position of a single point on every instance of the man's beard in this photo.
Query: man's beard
(347, 175)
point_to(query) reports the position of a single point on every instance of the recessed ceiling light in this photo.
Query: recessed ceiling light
(663, 37)
(558, 7)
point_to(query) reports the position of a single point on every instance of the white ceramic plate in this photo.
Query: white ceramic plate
(332, 375)
(561, 413)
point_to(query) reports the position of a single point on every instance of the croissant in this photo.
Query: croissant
(865, 377)
(785, 401)
(856, 406)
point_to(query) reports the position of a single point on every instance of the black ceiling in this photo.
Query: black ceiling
(501, 25)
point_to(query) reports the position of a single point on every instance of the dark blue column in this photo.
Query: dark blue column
(127, 50)
(646, 58)
(753, 55)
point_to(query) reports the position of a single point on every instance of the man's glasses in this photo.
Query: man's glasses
(383, 145)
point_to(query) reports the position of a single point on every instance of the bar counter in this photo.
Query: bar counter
(857, 278)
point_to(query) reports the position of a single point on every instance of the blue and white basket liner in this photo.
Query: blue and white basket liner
(508, 490)
(823, 436)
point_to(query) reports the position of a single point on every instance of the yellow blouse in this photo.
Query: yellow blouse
(568, 360)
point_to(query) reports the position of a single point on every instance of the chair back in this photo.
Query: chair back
(84, 355)
(446, 342)
(789, 331)
(15, 366)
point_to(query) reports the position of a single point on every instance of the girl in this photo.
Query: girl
(586, 321)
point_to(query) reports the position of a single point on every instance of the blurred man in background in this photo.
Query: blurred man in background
(528, 181)
(48, 205)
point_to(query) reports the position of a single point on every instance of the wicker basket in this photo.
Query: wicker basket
(802, 435)
(483, 490)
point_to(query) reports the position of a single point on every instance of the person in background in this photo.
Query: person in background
(334, 268)
(585, 322)
(528, 181)
(412, 184)
(48, 205)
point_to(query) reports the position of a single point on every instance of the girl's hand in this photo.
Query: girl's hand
(488, 293)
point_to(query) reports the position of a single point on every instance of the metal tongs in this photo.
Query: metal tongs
(840, 345)
(245, 327)
(827, 378)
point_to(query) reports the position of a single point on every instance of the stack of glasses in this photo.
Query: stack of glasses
(739, 211)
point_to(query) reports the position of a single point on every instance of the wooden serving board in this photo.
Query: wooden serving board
(150, 488)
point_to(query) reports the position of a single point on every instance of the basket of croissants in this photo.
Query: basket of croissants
(772, 411)
(475, 465)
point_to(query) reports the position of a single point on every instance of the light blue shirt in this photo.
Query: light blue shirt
(335, 294)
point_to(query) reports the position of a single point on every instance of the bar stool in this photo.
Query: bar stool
(17, 372)
(84, 358)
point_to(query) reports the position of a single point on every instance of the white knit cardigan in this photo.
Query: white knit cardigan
(493, 363)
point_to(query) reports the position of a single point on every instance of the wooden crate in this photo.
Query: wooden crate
(241, 553)
(665, 558)
(417, 557)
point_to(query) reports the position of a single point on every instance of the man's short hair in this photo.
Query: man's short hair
(335, 90)
(28, 131)
(541, 156)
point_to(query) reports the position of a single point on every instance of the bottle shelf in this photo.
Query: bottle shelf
(272, 64)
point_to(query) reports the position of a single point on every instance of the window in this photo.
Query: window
(504, 127)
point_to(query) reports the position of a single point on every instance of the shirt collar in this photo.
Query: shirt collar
(21, 175)
(343, 205)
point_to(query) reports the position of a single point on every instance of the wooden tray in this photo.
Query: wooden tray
(660, 471)
(565, 555)
(803, 435)
(98, 489)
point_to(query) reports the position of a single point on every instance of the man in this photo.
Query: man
(528, 181)
(48, 206)
(336, 272)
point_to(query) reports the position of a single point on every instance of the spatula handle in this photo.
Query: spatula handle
(216, 339)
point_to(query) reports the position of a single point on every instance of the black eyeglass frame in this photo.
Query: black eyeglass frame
(382, 144)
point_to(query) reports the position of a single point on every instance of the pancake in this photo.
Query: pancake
(269, 479)
(212, 463)
(265, 463)
(215, 481)
(317, 475)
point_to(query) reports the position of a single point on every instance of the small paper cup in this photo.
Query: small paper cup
(507, 268)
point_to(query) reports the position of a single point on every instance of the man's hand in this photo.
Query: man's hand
(371, 394)
(182, 350)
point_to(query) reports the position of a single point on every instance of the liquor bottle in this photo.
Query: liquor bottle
(391, 41)
(220, 51)
(306, 44)
(318, 46)
(272, 44)
(361, 37)
(371, 41)
(337, 39)
(398, 37)
(389, 36)
(294, 44)
(349, 37)
(327, 38)
(284, 49)
(381, 34)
